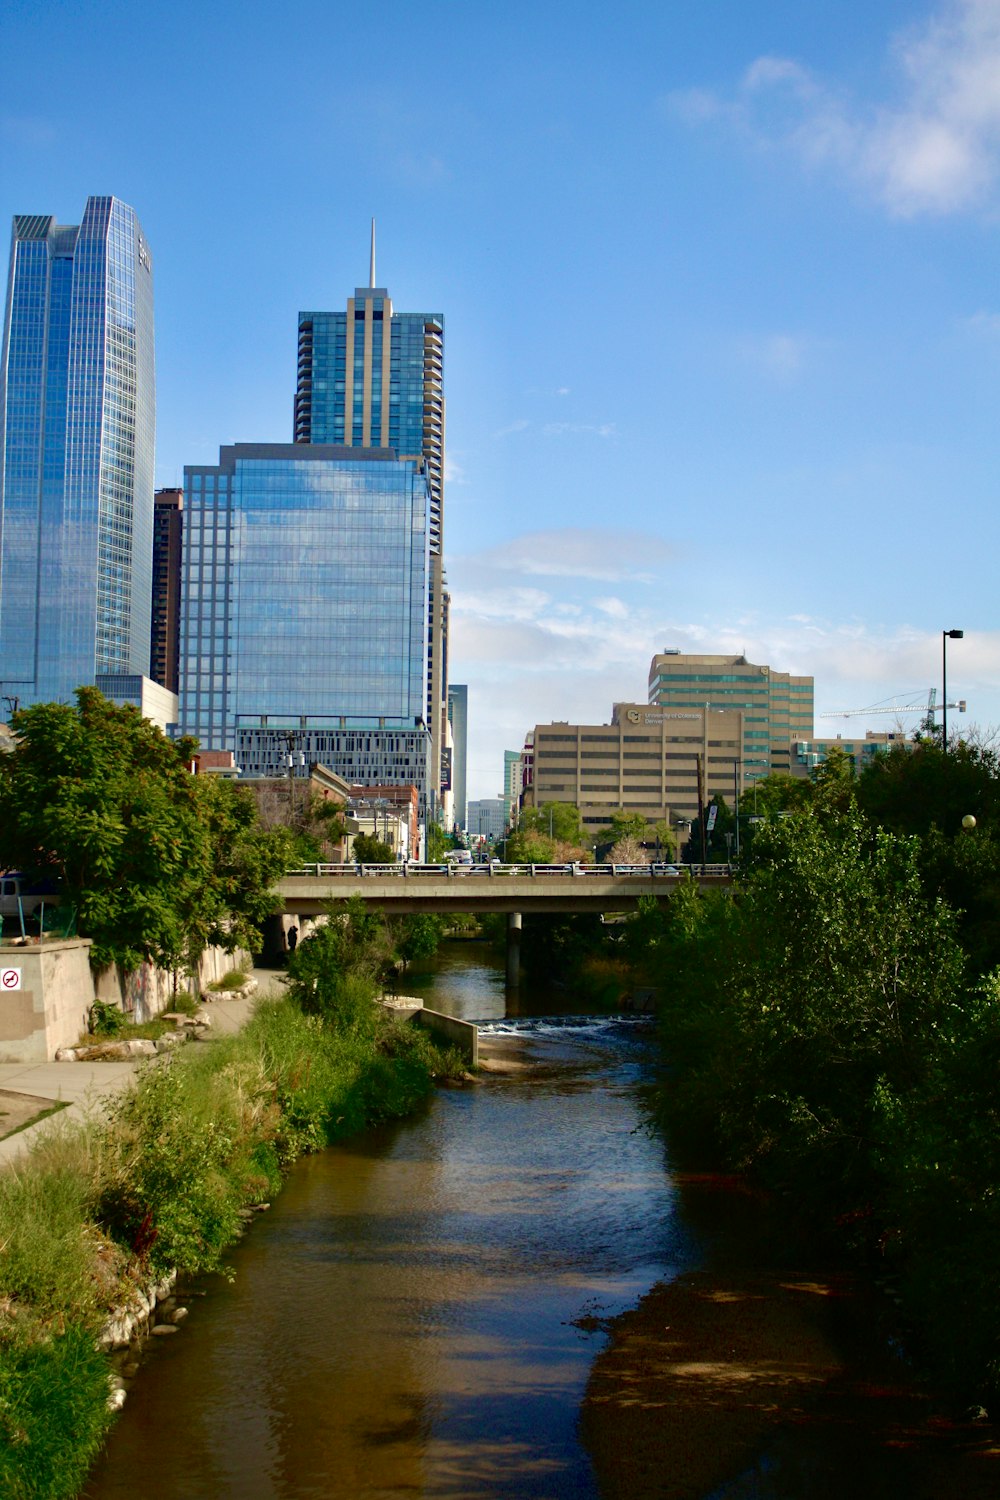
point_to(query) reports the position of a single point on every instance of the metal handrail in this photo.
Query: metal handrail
(406, 870)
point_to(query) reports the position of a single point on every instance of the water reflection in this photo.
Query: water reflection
(407, 1319)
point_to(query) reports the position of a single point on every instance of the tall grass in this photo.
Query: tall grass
(160, 1183)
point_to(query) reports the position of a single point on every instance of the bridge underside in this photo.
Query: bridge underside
(308, 896)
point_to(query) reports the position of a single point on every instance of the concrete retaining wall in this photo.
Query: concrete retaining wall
(47, 990)
(48, 1008)
(461, 1034)
(144, 992)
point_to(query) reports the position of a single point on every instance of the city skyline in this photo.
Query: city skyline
(724, 338)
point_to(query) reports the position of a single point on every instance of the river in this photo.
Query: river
(420, 1310)
(423, 1313)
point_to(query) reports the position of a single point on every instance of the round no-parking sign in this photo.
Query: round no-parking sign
(10, 979)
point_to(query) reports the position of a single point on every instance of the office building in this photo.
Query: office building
(777, 708)
(77, 429)
(156, 703)
(511, 786)
(486, 819)
(371, 377)
(862, 749)
(304, 609)
(649, 761)
(458, 715)
(164, 651)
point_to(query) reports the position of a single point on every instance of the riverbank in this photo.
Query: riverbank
(766, 1381)
(98, 1208)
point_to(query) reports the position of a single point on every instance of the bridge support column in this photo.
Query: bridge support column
(513, 949)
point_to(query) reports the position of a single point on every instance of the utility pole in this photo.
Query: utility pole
(701, 809)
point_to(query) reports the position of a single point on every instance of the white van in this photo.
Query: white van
(14, 888)
(460, 857)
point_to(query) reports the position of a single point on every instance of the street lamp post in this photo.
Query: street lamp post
(946, 636)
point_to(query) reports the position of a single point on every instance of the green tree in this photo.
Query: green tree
(437, 843)
(370, 850)
(921, 790)
(841, 980)
(623, 825)
(776, 793)
(156, 862)
(417, 936)
(558, 821)
(552, 833)
(338, 971)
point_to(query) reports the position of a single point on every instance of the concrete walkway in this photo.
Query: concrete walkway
(85, 1087)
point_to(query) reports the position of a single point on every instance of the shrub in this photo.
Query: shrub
(106, 1019)
(234, 979)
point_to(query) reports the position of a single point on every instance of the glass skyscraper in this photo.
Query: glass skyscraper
(304, 608)
(77, 431)
(371, 377)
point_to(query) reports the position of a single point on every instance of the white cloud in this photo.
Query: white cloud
(513, 427)
(984, 324)
(934, 148)
(780, 355)
(597, 429)
(537, 664)
(573, 552)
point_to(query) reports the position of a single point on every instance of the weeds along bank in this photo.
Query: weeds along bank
(825, 1030)
(96, 1211)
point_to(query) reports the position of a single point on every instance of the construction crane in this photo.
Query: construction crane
(898, 707)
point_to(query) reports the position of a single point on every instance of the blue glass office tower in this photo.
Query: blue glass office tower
(77, 432)
(371, 377)
(303, 610)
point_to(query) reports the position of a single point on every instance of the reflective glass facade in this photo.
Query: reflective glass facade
(77, 434)
(304, 594)
(371, 377)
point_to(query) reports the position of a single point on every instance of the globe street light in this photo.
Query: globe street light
(946, 636)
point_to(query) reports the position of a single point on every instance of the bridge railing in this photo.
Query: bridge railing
(407, 871)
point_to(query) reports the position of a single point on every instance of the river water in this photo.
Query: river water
(418, 1313)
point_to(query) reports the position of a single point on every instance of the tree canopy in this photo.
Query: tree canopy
(552, 833)
(158, 863)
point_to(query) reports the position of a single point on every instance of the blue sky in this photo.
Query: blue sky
(720, 288)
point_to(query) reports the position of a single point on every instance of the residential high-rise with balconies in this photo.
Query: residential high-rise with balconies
(371, 377)
(77, 432)
(168, 529)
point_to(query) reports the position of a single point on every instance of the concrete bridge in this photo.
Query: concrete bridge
(486, 888)
(511, 889)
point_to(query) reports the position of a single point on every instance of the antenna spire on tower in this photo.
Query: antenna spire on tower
(371, 272)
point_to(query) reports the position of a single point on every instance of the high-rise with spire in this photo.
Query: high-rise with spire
(372, 377)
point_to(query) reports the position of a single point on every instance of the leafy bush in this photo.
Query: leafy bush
(107, 1019)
